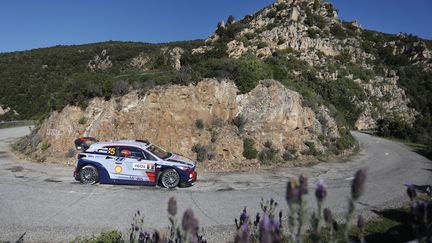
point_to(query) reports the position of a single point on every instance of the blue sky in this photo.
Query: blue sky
(28, 24)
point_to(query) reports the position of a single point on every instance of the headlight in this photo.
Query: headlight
(183, 167)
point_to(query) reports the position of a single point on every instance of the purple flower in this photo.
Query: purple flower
(257, 219)
(358, 184)
(303, 185)
(265, 230)
(244, 216)
(172, 206)
(328, 217)
(422, 208)
(414, 212)
(361, 222)
(412, 194)
(243, 235)
(189, 222)
(320, 192)
(293, 194)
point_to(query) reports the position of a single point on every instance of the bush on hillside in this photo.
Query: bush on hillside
(249, 151)
(268, 155)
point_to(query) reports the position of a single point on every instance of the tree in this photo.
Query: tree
(230, 20)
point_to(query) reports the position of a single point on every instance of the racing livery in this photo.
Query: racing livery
(131, 162)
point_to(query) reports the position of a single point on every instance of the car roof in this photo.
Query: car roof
(135, 143)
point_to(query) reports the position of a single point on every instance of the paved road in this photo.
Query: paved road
(45, 201)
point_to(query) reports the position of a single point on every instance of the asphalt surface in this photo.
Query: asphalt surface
(45, 202)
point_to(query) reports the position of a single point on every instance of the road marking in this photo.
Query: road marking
(386, 153)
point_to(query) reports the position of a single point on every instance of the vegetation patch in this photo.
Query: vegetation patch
(249, 151)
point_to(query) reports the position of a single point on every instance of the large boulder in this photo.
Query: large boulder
(168, 116)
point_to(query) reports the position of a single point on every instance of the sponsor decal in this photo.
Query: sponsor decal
(136, 178)
(103, 150)
(141, 166)
(118, 169)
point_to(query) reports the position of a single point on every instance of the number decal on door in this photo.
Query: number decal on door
(112, 151)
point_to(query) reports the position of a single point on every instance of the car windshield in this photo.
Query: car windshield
(159, 152)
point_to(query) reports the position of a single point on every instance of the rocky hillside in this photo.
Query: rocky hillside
(309, 31)
(331, 76)
(209, 121)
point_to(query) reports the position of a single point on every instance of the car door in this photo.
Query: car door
(135, 165)
(112, 162)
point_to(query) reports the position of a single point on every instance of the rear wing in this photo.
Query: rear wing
(84, 143)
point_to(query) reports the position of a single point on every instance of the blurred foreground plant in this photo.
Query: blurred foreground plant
(267, 228)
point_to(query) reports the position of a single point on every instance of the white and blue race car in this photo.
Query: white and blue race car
(131, 162)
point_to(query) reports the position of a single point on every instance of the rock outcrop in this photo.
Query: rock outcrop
(392, 100)
(100, 62)
(140, 62)
(167, 116)
(4, 111)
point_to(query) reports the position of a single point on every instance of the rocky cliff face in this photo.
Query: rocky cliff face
(312, 32)
(168, 116)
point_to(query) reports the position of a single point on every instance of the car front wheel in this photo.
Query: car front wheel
(170, 178)
(89, 175)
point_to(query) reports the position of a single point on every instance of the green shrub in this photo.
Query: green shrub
(344, 57)
(45, 146)
(394, 127)
(313, 19)
(346, 140)
(230, 20)
(313, 33)
(271, 14)
(268, 155)
(82, 120)
(199, 124)
(338, 32)
(239, 121)
(105, 237)
(330, 9)
(281, 6)
(288, 155)
(120, 88)
(262, 44)
(249, 151)
(249, 36)
(312, 149)
(203, 152)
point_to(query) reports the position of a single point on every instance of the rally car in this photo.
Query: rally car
(131, 162)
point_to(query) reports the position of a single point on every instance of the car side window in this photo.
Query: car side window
(112, 151)
(149, 156)
(131, 152)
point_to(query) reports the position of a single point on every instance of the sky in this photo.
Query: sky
(29, 24)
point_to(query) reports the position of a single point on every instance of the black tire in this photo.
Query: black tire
(89, 175)
(170, 178)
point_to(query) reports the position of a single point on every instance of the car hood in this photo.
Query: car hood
(181, 159)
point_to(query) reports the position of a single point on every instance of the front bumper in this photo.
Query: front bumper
(193, 176)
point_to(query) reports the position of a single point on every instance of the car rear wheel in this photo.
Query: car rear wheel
(89, 175)
(170, 178)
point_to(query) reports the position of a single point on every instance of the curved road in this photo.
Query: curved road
(45, 202)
